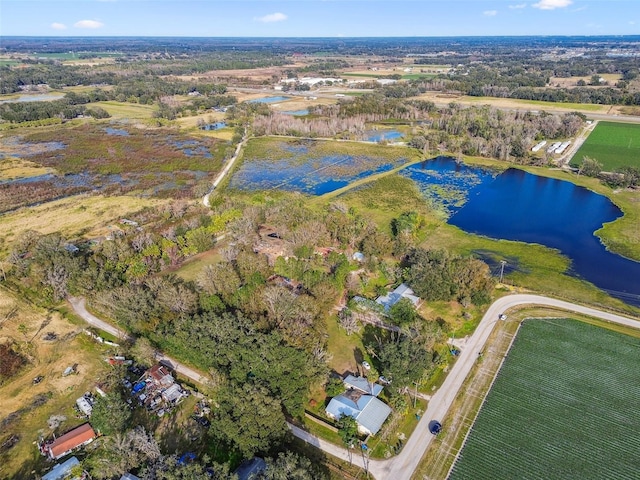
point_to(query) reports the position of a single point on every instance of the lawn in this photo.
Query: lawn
(562, 406)
(81, 215)
(612, 144)
(24, 407)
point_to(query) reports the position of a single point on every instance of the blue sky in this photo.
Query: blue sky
(323, 18)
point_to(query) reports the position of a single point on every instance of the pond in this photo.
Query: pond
(380, 135)
(213, 126)
(300, 171)
(269, 99)
(296, 113)
(516, 205)
(45, 97)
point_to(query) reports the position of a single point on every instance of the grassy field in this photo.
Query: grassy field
(24, 407)
(612, 144)
(81, 215)
(563, 406)
(124, 110)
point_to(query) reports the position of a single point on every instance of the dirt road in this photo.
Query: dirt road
(403, 465)
(225, 170)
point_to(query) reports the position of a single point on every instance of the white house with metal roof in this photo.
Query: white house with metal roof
(368, 412)
(391, 298)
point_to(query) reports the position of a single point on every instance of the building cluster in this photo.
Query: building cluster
(157, 390)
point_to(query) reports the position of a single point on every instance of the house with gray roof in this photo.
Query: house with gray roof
(363, 385)
(391, 298)
(368, 411)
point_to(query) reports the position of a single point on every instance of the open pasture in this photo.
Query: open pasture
(564, 405)
(313, 167)
(126, 111)
(612, 144)
(25, 407)
(80, 215)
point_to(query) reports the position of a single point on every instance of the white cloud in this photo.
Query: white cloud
(552, 4)
(490, 13)
(518, 6)
(58, 26)
(272, 17)
(88, 24)
(632, 22)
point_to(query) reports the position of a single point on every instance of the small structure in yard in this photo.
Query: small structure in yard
(85, 404)
(129, 476)
(251, 469)
(68, 442)
(173, 394)
(391, 298)
(358, 257)
(362, 384)
(61, 470)
(160, 375)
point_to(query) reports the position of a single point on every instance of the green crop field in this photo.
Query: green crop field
(564, 405)
(612, 144)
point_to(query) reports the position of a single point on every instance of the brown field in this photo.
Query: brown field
(254, 74)
(81, 215)
(298, 103)
(510, 103)
(569, 82)
(49, 359)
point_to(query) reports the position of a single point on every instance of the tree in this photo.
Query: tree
(143, 352)
(590, 167)
(334, 387)
(110, 414)
(403, 313)
(120, 453)
(348, 430)
(403, 359)
(290, 466)
(347, 320)
(250, 418)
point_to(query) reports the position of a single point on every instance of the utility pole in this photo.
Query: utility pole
(415, 397)
(502, 264)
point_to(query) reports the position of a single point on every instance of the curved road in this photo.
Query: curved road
(402, 466)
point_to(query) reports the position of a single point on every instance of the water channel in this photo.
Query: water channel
(516, 205)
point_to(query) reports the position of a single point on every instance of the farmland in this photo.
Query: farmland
(563, 406)
(612, 144)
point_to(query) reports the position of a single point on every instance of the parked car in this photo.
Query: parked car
(435, 427)
(366, 365)
(384, 380)
(502, 316)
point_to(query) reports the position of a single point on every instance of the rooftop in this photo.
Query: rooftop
(70, 440)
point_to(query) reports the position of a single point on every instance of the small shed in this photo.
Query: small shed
(61, 470)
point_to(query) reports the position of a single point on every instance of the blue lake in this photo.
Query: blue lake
(379, 135)
(516, 205)
(269, 99)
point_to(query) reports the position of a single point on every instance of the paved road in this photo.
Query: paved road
(403, 465)
(225, 170)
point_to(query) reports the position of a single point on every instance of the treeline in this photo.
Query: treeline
(489, 132)
(133, 90)
(35, 112)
